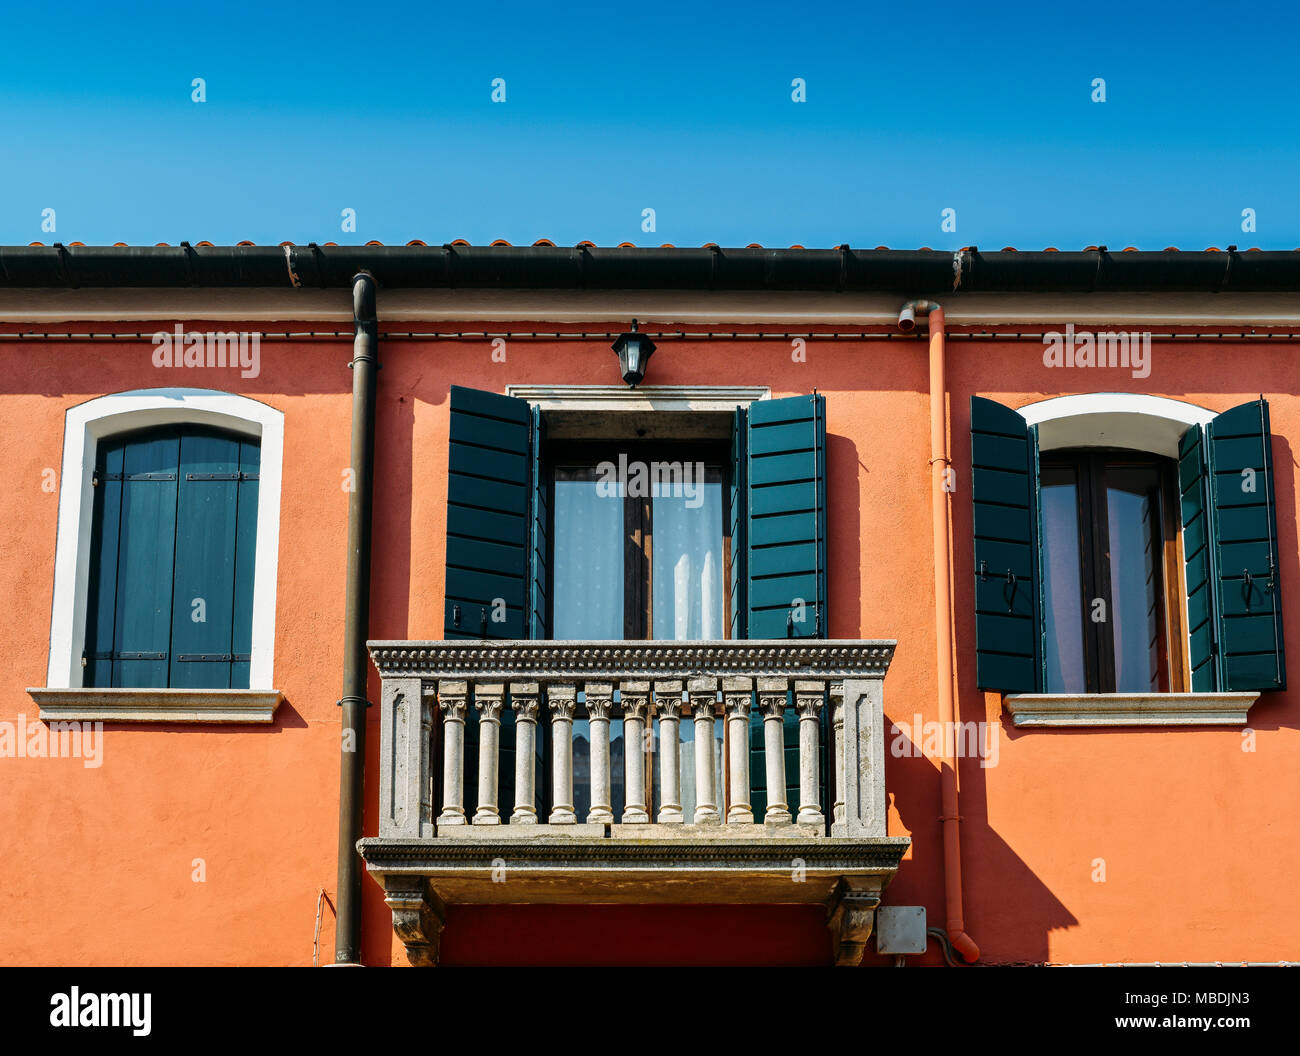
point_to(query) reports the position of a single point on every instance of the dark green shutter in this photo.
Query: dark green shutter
(738, 515)
(778, 538)
(1201, 625)
(498, 545)
(101, 615)
(174, 520)
(206, 526)
(785, 529)
(146, 551)
(1245, 550)
(250, 465)
(489, 516)
(539, 542)
(1004, 495)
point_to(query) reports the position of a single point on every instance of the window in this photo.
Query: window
(613, 538)
(1111, 580)
(172, 549)
(1122, 571)
(639, 552)
(642, 543)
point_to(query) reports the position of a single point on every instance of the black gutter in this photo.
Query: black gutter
(356, 622)
(908, 272)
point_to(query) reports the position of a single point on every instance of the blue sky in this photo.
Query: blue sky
(684, 108)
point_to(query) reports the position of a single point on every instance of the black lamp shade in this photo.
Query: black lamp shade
(634, 351)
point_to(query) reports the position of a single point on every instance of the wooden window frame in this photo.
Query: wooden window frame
(1090, 466)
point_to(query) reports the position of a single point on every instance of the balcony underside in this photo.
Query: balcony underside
(421, 877)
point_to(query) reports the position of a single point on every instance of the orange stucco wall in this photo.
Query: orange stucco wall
(1199, 837)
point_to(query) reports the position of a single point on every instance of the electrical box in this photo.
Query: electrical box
(900, 929)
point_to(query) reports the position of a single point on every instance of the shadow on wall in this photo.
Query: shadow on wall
(1032, 909)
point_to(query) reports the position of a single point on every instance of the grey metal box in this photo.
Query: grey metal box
(900, 929)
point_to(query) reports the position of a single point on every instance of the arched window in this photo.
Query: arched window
(172, 552)
(1125, 544)
(152, 519)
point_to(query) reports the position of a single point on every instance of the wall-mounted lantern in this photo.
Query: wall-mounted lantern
(634, 351)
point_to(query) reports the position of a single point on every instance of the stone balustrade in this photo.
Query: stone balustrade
(431, 688)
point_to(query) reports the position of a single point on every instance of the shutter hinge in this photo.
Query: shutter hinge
(221, 476)
(212, 658)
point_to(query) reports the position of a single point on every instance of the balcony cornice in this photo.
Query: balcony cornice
(832, 659)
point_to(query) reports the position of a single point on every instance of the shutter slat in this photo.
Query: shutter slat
(1004, 491)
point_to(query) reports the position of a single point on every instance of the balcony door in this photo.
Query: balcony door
(640, 549)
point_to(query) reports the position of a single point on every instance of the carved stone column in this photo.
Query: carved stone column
(489, 698)
(851, 915)
(600, 703)
(837, 752)
(418, 917)
(771, 702)
(636, 696)
(737, 696)
(808, 705)
(453, 697)
(562, 701)
(703, 693)
(524, 701)
(668, 705)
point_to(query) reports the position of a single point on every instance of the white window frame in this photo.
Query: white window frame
(89, 423)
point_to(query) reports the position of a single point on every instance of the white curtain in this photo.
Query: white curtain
(687, 588)
(587, 577)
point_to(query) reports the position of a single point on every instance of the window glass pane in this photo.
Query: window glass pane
(1132, 505)
(1063, 591)
(588, 574)
(686, 592)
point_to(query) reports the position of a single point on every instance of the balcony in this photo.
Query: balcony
(432, 851)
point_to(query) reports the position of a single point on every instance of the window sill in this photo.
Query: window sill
(1130, 709)
(158, 705)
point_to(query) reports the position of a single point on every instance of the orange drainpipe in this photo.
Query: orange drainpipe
(943, 629)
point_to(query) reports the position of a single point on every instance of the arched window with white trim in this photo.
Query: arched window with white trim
(167, 552)
(1125, 544)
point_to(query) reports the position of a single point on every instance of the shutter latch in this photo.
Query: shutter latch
(455, 615)
(1011, 598)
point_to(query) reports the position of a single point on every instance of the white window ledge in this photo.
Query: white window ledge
(1130, 709)
(157, 705)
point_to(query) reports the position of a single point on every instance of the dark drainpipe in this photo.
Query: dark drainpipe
(352, 748)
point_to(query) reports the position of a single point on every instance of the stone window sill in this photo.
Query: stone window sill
(1130, 709)
(158, 705)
